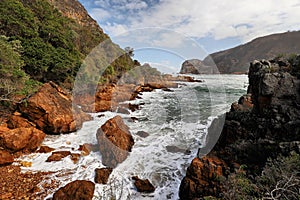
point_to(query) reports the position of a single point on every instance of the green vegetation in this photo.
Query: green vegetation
(13, 81)
(280, 179)
(40, 44)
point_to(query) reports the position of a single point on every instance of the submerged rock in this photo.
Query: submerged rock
(79, 189)
(115, 141)
(142, 134)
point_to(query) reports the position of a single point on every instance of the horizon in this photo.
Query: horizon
(165, 33)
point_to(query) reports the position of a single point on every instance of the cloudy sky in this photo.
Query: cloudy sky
(166, 32)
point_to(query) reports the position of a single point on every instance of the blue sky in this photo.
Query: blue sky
(164, 33)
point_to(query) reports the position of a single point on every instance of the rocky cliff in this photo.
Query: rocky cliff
(195, 66)
(263, 125)
(235, 60)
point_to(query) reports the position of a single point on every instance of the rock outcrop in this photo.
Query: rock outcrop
(51, 110)
(115, 141)
(251, 133)
(195, 66)
(79, 189)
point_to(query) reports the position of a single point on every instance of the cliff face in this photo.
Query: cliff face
(195, 66)
(252, 133)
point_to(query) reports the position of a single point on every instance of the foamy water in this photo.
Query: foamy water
(178, 118)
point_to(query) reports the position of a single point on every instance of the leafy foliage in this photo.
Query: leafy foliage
(54, 45)
(13, 79)
(280, 179)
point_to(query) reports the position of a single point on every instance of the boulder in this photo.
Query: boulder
(51, 110)
(202, 178)
(115, 141)
(79, 189)
(143, 185)
(102, 175)
(5, 158)
(22, 139)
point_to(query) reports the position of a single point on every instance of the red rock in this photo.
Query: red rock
(115, 141)
(25, 139)
(75, 157)
(51, 110)
(58, 155)
(16, 121)
(80, 189)
(143, 185)
(202, 178)
(5, 158)
(87, 148)
(45, 149)
(102, 175)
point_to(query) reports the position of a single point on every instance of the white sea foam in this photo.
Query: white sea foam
(178, 118)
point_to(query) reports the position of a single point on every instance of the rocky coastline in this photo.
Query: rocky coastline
(53, 111)
(263, 125)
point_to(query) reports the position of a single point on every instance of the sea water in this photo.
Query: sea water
(178, 118)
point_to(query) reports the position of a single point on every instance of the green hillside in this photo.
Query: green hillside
(41, 43)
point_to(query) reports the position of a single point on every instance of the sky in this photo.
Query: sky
(164, 33)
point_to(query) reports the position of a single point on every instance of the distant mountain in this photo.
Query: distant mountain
(237, 59)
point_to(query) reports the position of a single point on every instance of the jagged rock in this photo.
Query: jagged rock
(202, 178)
(79, 189)
(58, 155)
(195, 66)
(102, 175)
(143, 185)
(21, 139)
(115, 141)
(243, 105)
(51, 110)
(5, 158)
(252, 136)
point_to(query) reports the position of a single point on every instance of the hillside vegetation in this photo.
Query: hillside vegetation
(40, 42)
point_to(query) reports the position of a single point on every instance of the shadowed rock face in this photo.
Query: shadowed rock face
(115, 141)
(252, 133)
(79, 189)
(51, 110)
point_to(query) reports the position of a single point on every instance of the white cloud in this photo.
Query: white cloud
(218, 19)
(99, 14)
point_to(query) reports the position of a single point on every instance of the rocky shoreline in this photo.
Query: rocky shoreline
(51, 110)
(263, 125)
